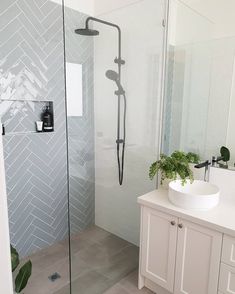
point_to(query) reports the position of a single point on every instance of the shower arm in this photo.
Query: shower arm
(119, 61)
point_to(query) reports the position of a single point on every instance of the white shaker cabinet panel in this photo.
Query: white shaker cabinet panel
(198, 259)
(227, 279)
(159, 237)
(228, 252)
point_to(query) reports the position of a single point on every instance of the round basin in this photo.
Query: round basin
(199, 195)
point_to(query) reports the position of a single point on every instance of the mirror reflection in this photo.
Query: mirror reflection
(200, 86)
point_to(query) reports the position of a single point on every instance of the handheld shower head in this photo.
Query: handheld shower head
(113, 76)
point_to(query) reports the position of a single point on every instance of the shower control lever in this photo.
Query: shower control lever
(119, 61)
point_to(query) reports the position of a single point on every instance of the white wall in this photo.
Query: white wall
(187, 25)
(141, 23)
(106, 6)
(85, 6)
(219, 12)
(5, 265)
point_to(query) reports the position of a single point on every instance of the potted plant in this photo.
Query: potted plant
(175, 166)
(24, 273)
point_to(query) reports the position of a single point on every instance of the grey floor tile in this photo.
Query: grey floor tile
(91, 283)
(47, 257)
(101, 263)
(77, 243)
(118, 266)
(94, 234)
(64, 290)
(40, 284)
(116, 289)
(130, 284)
(113, 244)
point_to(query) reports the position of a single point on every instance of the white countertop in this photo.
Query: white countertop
(220, 218)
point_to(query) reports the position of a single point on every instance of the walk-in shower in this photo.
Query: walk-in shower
(68, 212)
(116, 77)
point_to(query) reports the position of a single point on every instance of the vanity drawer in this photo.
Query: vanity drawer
(228, 252)
(227, 279)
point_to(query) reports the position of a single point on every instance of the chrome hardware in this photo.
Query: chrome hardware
(173, 223)
(180, 226)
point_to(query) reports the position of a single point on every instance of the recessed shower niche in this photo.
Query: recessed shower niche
(20, 116)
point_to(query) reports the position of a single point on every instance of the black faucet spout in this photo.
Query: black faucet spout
(203, 164)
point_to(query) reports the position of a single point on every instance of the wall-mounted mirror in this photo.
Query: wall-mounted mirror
(200, 87)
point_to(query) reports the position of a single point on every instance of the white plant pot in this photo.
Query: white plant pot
(165, 184)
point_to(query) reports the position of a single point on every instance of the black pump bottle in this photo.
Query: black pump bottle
(48, 121)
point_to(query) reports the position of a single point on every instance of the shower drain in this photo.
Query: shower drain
(54, 277)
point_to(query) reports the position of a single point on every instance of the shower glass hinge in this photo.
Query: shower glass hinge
(163, 23)
(54, 277)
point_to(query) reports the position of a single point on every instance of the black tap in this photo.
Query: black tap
(207, 171)
(203, 164)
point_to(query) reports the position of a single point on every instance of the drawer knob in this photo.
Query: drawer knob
(180, 226)
(173, 223)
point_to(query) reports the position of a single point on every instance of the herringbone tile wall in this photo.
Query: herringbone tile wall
(31, 68)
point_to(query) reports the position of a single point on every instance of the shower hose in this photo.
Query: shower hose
(121, 142)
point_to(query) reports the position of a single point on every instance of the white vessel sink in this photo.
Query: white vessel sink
(199, 195)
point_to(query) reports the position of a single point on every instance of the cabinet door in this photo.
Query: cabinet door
(228, 252)
(227, 279)
(198, 259)
(159, 236)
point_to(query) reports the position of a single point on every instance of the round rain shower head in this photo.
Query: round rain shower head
(87, 32)
(112, 75)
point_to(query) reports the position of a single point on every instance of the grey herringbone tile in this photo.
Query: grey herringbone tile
(32, 62)
(35, 219)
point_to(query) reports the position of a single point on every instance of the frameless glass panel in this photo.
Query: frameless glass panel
(31, 80)
(120, 51)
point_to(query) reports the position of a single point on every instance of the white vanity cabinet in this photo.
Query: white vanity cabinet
(198, 259)
(179, 256)
(158, 247)
(227, 270)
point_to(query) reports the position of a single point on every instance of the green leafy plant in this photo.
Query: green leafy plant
(174, 166)
(24, 273)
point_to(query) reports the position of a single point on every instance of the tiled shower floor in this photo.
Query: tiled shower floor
(101, 263)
